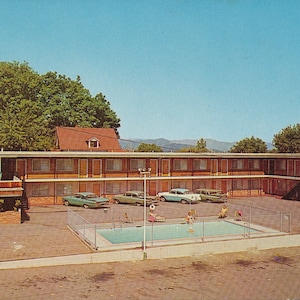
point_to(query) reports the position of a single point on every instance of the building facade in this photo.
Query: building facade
(47, 176)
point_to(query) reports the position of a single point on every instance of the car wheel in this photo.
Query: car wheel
(117, 201)
(66, 203)
(138, 204)
(163, 199)
(85, 206)
(183, 201)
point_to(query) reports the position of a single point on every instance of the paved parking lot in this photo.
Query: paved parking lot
(46, 233)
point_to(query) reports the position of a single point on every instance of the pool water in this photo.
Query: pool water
(172, 231)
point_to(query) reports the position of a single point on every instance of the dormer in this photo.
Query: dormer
(93, 143)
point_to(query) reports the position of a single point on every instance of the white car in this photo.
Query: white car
(179, 195)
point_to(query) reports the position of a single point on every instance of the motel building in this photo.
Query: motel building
(92, 160)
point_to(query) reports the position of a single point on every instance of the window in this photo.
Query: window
(113, 165)
(237, 164)
(179, 184)
(136, 186)
(64, 164)
(41, 189)
(64, 189)
(200, 164)
(254, 184)
(281, 164)
(93, 143)
(40, 165)
(255, 164)
(237, 184)
(113, 188)
(136, 164)
(180, 164)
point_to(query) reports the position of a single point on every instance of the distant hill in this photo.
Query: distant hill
(175, 145)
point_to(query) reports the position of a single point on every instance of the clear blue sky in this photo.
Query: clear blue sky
(177, 69)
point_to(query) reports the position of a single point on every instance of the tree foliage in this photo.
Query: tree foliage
(288, 139)
(144, 147)
(32, 105)
(249, 145)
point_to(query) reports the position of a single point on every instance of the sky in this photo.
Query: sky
(174, 69)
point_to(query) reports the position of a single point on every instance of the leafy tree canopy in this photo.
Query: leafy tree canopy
(288, 139)
(32, 105)
(143, 147)
(249, 145)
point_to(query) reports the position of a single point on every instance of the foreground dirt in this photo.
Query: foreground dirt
(248, 275)
(270, 274)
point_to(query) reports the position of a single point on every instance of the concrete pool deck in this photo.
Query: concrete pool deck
(160, 252)
(45, 240)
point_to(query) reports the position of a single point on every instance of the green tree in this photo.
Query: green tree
(288, 139)
(31, 105)
(144, 147)
(249, 145)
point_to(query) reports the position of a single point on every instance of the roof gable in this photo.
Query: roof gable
(86, 139)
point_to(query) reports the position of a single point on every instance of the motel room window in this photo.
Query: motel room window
(237, 164)
(136, 186)
(136, 164)
(113, 165)
(64, 164)
(255, 164)
(180, 164)
(281, 164)
(113, 188)
(64, 189)
(238, 184)
(40, 165)
(200, 164)
(40, 190)
(179, 184)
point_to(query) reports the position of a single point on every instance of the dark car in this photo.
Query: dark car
(85, 199)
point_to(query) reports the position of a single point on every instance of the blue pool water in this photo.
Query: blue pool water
(172, 231)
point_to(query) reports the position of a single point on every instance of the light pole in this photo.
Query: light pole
(145, 172)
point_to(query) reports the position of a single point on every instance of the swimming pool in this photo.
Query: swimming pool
(173, 231)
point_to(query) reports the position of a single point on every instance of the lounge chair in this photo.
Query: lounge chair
(127, 218)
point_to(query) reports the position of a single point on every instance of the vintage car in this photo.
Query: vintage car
(179, 195)
(211, 195)
(134, 197)
(85, 199)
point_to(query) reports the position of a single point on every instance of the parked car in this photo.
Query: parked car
(211, 195)
(85, 199)
(134, 197)
(179, 195)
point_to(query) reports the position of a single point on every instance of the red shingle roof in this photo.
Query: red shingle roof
(77, 139)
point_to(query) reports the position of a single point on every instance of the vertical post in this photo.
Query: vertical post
(145, 173)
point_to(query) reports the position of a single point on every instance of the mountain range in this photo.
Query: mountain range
(175, 145)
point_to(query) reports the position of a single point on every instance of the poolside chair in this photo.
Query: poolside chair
(127, 218)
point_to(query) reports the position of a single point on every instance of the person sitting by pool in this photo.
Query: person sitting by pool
(238, 214)
(189, 218)
(223, 212)
(153, 217)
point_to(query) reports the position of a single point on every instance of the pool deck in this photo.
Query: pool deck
(45, 240)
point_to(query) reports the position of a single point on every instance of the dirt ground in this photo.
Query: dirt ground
(269, 274)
